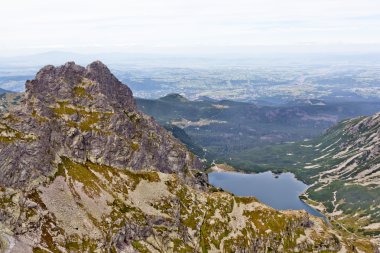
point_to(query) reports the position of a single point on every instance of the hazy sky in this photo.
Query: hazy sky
(160, 26)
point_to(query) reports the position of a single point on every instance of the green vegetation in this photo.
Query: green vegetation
(8, 134)
(64, 108)
(39, 250)
(309, 160)
(87, 118)
(84, 173)
(135, 146)
(81, 173)
(140, 247)
(247, 130)
(81, 93)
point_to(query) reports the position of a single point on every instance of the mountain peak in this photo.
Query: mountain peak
(85, 114)
(94, 86)
(100, 72)
(174, 97)
(97, 66)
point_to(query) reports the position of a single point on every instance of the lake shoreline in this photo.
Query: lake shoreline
(231, 180)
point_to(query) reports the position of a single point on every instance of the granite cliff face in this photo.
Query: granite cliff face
(82, 171)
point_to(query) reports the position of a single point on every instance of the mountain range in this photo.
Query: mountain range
(341, 164)
(82, 170)
(231, 131)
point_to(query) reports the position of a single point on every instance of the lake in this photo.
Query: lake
(278, 191)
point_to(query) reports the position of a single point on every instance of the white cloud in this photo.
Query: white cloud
(145, 25)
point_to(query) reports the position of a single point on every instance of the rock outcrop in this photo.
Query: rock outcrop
(84, 114)
(82, 171)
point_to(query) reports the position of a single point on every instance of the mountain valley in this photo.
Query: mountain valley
(81, 170)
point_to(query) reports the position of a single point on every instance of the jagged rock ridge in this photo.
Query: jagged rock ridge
(84, 114)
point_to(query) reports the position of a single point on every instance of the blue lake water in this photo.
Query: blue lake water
(278, 191)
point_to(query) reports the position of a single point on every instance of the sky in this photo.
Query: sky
(189, 26)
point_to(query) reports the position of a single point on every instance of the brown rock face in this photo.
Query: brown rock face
(85, 114)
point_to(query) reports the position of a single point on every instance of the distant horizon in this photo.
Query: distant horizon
(214, 60)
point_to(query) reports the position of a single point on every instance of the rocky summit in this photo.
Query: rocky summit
(84, 114)
(81, 170)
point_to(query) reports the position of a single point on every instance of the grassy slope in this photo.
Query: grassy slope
(311, 159)
(247, 153)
